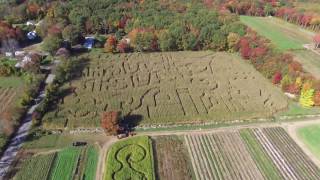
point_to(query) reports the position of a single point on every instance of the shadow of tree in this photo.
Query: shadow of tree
(132, 120)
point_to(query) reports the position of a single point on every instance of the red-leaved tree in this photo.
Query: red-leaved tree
(245, 48)
(316, 98)
(316, 40)
(110, 122)
(123, 46)
(277, 77)
(110, 45)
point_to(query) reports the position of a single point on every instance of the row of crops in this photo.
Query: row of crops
(266, 153)
(67, 164)
(221, 156)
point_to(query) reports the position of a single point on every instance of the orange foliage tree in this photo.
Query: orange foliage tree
(110, 45)
(316, 98)
(110, 122)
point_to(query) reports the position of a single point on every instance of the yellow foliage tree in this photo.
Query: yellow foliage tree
(306, 96)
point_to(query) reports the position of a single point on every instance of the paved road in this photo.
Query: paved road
(19, 137)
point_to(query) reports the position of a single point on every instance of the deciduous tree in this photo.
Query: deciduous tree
(111, 44)
(110, 122)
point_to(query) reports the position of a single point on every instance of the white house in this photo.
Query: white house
(30, 23)
(8, 54)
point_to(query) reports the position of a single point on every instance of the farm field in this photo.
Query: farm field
(310, 135)
(90, 164)
(36, 168)
(263, 161)
(69, 163)
(130, 159)
(65, 164)
(221, 156)
(287, 37)
(283, 35)
(264, 153)
(10, 87)
(171, 158)
(161, 88)
(292, 162)
(309, 60)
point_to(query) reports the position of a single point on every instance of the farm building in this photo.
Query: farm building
(32, 35)
(30, 23)
(89, 42)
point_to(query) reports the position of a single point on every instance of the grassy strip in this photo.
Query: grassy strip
(6, 82)
(263, 161)
(131, 159)
(310, 135)
(91, 164)
(36, 168)
(283, 35)
(65, 164)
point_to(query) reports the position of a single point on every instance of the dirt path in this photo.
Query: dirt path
(102, 158)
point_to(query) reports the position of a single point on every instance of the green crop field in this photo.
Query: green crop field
(65, 164)
(262, 159)
(130, 159)
(283, 35)
(172, 87)
(36, 168)
(61, 165)
(310, 135)
(90, 164)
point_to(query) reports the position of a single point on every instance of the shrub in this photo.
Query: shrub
(306, 98)
(316, 98)
(277, 77)
(286, 80)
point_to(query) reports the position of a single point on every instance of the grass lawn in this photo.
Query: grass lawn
(295, 109)
(6, 82)
(310, 135)
(283, 35)
(309, 60)
(58, 141)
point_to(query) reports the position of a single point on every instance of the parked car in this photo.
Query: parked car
(122, 135)
(79, 143)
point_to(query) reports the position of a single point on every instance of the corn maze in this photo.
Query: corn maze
(259, 153)
(167, 87)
